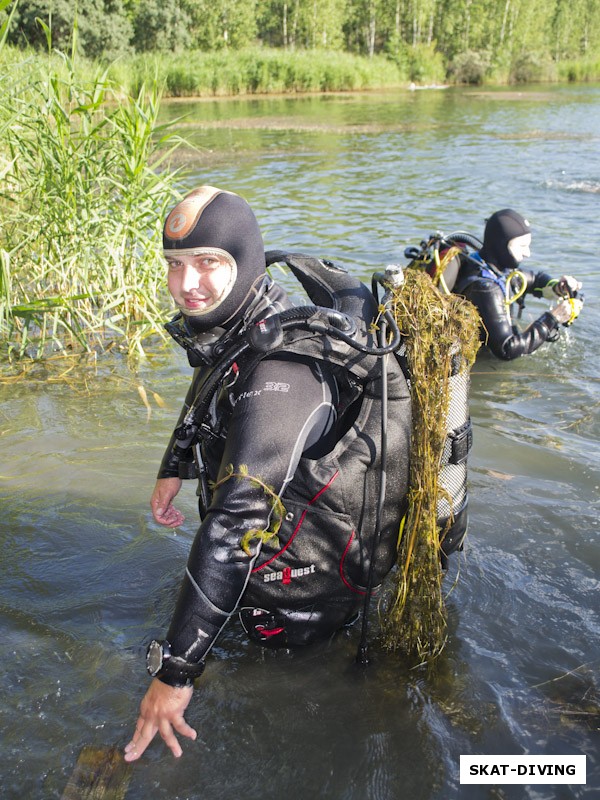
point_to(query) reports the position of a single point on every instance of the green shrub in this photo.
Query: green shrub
(161, 27)
(103, 29)
(469, 67)
(425, 65)
(530, 67)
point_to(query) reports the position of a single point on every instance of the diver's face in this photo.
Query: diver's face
(199, 282)
(519, 247)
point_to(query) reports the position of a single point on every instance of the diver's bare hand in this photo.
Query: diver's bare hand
(567, 310)
(567, 286)
(161, 711)
(163, 511)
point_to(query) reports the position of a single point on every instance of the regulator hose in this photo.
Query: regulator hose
(390, 279)
(362, 654)
(462, 237)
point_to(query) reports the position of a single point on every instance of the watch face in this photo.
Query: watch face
(154, 657)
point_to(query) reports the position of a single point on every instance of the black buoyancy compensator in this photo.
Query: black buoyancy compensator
(344, 312)
(344, 327)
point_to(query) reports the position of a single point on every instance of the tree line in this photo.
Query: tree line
(472, 36)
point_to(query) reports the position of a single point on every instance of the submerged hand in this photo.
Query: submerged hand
(161, 710)
(162, 509)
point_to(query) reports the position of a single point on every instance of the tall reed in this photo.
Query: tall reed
(86, 184)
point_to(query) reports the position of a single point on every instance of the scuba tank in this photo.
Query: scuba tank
(452, 502)
(441, 255)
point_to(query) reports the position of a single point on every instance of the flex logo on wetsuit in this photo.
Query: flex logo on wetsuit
(270, 386)
(245, 396)
(286, 574)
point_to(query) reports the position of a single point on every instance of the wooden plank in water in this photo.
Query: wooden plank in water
(100, 774)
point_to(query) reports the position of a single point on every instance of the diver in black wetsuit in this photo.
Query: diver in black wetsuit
(495, 283)
(304, 425)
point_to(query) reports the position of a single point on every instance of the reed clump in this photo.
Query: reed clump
(256, 70)
(438, 330)
(85, 184)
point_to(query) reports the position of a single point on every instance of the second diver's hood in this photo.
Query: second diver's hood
(500, 228)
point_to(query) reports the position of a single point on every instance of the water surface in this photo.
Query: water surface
(88, 578)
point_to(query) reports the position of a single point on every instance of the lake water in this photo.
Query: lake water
(88, 578)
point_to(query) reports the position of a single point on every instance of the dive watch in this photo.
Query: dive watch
(162, 664)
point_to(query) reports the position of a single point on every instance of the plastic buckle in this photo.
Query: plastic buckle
(461, 443)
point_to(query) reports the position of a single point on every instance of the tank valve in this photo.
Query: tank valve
(394, 275)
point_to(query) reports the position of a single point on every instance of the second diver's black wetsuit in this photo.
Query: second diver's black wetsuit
(286, 423)
(477, 283)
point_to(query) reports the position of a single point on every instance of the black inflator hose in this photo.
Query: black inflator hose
(461, 237)
(362, 654)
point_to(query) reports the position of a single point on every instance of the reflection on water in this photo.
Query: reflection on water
(88, 578)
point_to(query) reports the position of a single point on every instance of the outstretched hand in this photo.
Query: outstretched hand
(163, 511)
(567, 286)
(161, 711)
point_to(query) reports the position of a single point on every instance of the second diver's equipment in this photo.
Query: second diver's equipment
(440, 256)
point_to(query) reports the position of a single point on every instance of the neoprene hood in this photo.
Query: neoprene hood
(500, 228)
(210, 219)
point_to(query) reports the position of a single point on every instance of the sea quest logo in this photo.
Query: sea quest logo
(286, 574)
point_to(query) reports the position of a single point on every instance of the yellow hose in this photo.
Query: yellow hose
(508, 298)
(441, 264)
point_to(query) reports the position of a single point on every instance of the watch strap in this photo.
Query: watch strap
(177, 672)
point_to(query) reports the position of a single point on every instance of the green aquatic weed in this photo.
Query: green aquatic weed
(438, 331)
(276, 516)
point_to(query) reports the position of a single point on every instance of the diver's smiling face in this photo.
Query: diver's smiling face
(198, 282)
(519, 247)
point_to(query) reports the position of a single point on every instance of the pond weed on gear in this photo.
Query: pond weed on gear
(349, 328)
(441, 340)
